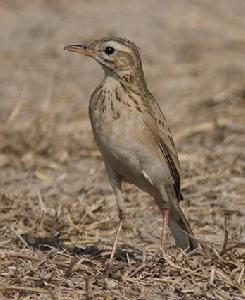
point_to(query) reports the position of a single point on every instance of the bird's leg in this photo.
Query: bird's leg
(165, 227)
(115, 181)
(121, 217)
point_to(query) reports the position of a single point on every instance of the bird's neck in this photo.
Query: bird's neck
(133, 78)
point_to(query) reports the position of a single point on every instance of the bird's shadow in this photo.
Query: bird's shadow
(123, 254)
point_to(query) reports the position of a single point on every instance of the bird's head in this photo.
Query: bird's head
(116, 55)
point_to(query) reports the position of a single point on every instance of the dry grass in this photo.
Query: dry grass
(57, 210)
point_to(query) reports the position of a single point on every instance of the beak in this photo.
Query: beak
(84, 49)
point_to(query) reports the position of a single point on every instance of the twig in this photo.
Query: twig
(18, 236)
(23, 288)
(17, 108)
(225, 242)
(212, 273)
(21, 255)
(239, 279)
(88, 286)
(173, 265)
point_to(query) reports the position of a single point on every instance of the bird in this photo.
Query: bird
(133, 136)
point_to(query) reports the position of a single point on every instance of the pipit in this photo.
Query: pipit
(133, 136)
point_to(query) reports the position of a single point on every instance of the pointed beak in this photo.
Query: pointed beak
(84, 49)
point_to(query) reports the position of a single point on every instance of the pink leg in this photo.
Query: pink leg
(165, 227)
(115, 181)
(119, 227)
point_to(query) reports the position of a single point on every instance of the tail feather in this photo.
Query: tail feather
(181, 229)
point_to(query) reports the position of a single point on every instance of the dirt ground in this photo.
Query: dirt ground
(57, 210)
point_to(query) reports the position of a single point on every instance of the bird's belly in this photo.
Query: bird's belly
(128, 156)
(117, 146)
(125, 162)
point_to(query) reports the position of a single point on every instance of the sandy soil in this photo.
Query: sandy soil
(57, 210)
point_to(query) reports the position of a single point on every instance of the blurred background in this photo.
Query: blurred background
(51, 172)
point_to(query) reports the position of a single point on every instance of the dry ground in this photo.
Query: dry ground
(57, 210)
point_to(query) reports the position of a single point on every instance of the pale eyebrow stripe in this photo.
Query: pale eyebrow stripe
(118, 46)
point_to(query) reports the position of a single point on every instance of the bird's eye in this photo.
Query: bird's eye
(109, 50)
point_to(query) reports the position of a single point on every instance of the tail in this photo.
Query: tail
(181, 229)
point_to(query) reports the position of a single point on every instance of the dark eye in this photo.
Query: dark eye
(109, 50)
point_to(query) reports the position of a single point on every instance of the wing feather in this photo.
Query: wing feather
(165, 140)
